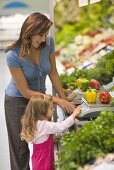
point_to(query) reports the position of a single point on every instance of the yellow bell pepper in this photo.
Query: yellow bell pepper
(79, 82)
(83, 83)
(91, 95)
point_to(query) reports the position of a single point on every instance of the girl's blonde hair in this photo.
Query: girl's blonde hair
(36, 110)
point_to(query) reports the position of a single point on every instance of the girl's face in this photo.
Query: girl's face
(50, 111)
(38, 39)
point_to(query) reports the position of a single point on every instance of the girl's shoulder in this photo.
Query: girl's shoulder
(43, 123)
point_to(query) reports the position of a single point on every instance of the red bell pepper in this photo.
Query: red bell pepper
(104, 97)
(95, 84)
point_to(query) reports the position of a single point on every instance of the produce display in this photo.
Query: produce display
(85, 47)
(80, 149)
(95, 138)
(83, 83)
(92, 140)
(91, 90)
(103, 72)
(85, 50)
(69, 81)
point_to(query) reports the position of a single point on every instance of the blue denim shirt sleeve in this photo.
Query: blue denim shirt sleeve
(12, 59)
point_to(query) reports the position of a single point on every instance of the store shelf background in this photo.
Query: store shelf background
(9, 32)
(10, 29)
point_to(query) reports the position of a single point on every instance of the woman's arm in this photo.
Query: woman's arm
(55, 79)
(21, 83)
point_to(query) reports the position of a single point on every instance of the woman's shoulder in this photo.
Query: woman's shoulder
(14, 51)
(50, 43)
(49, 40)
(12, 57)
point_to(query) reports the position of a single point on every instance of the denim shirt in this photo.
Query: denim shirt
(34, 74)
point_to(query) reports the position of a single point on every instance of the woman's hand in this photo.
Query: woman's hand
(65, 105)
(77, 102)
(71, 96)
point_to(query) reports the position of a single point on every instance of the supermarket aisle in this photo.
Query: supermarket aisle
(4, 152)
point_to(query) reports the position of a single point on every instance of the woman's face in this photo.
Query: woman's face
(50, 111)
(38, 39)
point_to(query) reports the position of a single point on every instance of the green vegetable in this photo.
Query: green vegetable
(94, 139)
(85, 85)
(112, 102)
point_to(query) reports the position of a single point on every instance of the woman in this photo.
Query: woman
(30, 59)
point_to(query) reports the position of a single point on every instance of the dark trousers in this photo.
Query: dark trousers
(19, 151)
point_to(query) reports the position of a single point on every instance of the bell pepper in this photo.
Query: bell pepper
(91, 95)
(104, 97)
(79, 82)
(83, 83)
(95, 84)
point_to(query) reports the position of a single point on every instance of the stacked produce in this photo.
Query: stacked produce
(103, 73)
(83, 83)
(91, 89)
(94, 139)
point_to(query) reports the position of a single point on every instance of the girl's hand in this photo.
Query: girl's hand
(76, 112)
(65, 105)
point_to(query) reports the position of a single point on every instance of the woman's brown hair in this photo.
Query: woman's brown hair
(35, 24)
(36, 110)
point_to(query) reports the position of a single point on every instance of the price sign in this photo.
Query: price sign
(83, 3)
(94, 1)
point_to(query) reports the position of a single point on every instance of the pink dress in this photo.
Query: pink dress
(43, 155)
(43, 145)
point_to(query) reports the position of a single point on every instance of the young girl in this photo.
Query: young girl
(38, 129)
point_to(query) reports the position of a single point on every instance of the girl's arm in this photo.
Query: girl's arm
(46, 127)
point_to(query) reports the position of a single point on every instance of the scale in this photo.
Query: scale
(91, 111)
